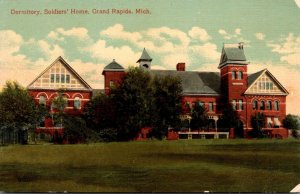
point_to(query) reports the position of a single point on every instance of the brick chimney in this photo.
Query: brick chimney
(180, 67)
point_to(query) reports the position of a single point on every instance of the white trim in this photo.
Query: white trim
(74, 95)
(237, 84)
(40, 93)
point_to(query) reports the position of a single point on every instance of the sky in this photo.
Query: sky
(172, 31)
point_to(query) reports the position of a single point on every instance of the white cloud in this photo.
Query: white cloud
(103, 52)
(207, 51)
(222, 32)
(117, 32)
(260, 36)
(288, 48)
(297, 3)
(80, 33)
(199, 33)
(50, 51)
(238, 31)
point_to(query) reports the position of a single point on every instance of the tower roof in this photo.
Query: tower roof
(145, 56)
(233, 53)
(114, 66)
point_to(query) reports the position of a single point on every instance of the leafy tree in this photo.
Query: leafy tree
(59, 104)
(292, 122)
(132, 103)
(199, 117)
(100, 113)
(229, 117)
(257, 122)
(75, 130)
(166, 109)
(18, 112)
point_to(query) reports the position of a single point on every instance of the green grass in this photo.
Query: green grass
(153, 166)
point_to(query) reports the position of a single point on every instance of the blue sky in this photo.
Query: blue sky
(191, 31)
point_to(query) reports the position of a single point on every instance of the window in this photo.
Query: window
(52, 78)
(42, 100)
(269, 122)
(211, 107)
(77, 103)
(255, 105)
(62, 80)
(234, 104)
(201, 103)
(240, 104)
(111, 83)
(240, 75)
(276, 122)
(57, 79)
(269, 105)
(276, 105)
(262, 105)
(67, 78)
(233, 74)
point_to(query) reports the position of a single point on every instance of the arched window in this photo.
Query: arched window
(255, 105)
(77, 103)
(234, 104)
(262, 105)
(233, 74)
(42, 100)
(269, 105)
(239, 75)
(276, 105)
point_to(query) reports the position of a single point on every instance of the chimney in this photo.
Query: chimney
(180, 67)
(241, 45)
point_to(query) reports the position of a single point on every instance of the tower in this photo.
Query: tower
(234, 77)
(145, 60)
(113, 74)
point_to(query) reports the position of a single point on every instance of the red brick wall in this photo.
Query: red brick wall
(85, 97)
(115, 76)
(205, 99)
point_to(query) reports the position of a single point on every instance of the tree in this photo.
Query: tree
(166, 109)
(199, 117)
(100, 113)
(133, 102)
(257, 122)
(59, 104)
(292, 122)
(19, 113)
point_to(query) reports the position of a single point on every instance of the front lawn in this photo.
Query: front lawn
(153, 166)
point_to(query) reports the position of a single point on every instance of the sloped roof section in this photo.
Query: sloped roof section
(113, 66)
(264, 83)
(59, 75)
(233, 53)
(145, 56)
(194, 83)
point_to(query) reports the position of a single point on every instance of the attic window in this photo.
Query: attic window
(146, 66)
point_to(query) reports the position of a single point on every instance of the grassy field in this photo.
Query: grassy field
(153, 166)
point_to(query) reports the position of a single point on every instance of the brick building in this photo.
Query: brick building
(248, 93)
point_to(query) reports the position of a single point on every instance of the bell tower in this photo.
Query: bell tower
(145, 60)
(233, 73)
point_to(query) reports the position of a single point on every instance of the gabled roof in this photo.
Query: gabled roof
(68, 67)
(253, 78)
(232, 53)
(194, 83)
(113, 66)
(145, 56)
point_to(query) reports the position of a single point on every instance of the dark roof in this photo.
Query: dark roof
(194, 83)
(113, 66)
(232, 54)
(145, 56)
(235, 54)
(254, 76)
